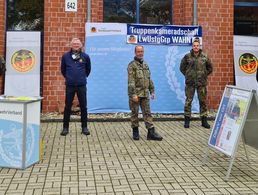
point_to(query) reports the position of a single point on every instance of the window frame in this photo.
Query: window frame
(244, 5)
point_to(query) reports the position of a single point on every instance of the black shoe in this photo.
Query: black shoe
(152, 135)
(65, 131)
(136, 133)
(187, 122)
(85, 131)
(205, 124)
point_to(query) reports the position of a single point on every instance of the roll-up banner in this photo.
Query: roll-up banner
(111, 48)
(246, 61)
(22, 64)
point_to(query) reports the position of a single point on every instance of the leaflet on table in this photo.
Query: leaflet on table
(19, 98)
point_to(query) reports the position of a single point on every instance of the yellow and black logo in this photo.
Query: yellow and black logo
(93, 30)
(23, 60)
(248, 63)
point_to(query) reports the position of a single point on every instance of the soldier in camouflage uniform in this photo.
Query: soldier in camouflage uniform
(257, 74)
(140, 87)
(2, 66)
(196, 67)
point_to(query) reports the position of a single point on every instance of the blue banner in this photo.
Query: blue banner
(219, 121)
(162, 34)
(106, 44)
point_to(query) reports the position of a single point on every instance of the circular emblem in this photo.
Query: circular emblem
(132, 39)
(248, 63)
(93, 30)
(23, 60)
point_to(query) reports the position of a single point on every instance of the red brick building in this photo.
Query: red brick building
(215, 16)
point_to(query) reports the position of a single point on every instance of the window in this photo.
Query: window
(149, 11)
(155, 11)
(123, 11)
(246, 17)
(25, 15)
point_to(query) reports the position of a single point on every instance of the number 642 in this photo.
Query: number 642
(71, 5)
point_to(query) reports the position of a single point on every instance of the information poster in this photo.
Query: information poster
(230, 119)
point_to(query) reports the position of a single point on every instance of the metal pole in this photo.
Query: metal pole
(137, 11)
(89, 11)
(194, 12)
(244, 141)
(171, 7)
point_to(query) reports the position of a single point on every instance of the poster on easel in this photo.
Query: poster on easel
(230, 119)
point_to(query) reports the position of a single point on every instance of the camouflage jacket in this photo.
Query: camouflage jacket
(196, 68)
(139, 79)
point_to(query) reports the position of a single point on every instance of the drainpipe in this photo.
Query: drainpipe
(194, 12)
(89, 11)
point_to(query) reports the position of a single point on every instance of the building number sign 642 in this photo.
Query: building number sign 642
(71, 5)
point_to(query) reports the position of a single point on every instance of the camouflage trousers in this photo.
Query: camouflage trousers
(189, 93)
(144, 103)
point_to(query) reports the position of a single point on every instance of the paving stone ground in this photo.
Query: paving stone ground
(110, 162)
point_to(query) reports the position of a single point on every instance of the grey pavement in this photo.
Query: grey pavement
(110, 162)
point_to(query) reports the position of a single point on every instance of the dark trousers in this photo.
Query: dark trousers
(82, 97)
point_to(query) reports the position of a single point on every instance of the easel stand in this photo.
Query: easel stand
(231, 161)
(222, 138)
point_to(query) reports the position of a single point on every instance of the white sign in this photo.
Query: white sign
(22, 77)
(246, 61)
(71, 5)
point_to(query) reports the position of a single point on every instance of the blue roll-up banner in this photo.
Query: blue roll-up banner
(111, 48)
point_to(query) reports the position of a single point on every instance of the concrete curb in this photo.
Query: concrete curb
(122, 119)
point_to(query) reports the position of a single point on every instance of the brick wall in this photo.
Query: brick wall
(182, 12)
(2, 39)
(97, 11)
(59, 28)
(216, 18)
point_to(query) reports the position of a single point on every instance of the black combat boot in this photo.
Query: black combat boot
(136, 133)
(205, 124)
(187, 122)
(85, 131)
(152, 135)
(65, 131)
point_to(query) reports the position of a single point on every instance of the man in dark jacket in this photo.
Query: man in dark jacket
(75, 67)
(196, 67)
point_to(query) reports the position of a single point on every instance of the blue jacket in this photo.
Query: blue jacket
(75, 71)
